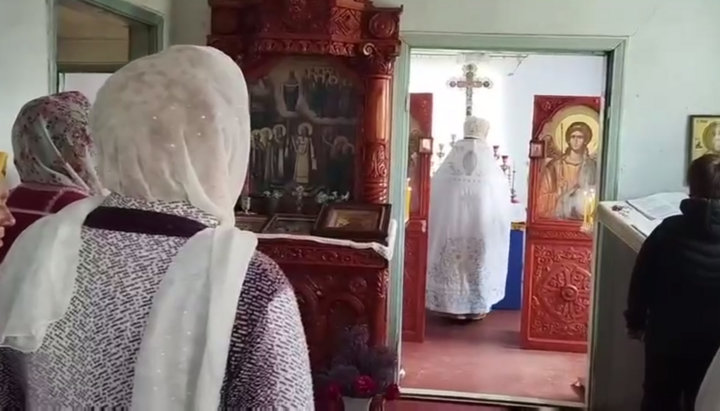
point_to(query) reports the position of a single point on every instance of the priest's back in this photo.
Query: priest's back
(469, 229)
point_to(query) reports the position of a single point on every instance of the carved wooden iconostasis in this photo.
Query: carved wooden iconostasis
(416, 233)
(319, 74)
(557, 279)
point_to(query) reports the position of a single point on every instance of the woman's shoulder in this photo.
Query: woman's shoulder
(265, 276)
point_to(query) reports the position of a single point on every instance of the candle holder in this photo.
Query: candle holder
(441, 153)
(505, 166)
(299, 194)
(509, 173)
(589, 208)
(245, 203)
(513, 193)
(496, 152)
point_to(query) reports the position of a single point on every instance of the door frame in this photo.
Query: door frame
(613, 47)
(140, 19)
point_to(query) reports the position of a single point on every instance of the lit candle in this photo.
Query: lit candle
(408, 200)
(589, 207)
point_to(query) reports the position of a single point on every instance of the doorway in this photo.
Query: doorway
(502, 326)
(94, 38)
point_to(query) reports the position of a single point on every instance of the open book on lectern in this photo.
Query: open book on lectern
(633, 220)
(653, 209)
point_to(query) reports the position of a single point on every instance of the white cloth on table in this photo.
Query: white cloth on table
(385, 251)
(469, 232)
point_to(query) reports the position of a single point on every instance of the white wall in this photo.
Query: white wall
(508, 105)
(24, 68)
(87, 83)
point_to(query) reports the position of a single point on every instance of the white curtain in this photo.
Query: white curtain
(430, 74)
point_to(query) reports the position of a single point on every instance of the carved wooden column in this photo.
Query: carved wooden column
(375, 166)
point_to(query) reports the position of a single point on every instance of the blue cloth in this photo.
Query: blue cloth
(513, 287)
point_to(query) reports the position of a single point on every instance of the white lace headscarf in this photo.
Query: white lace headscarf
(172, 126)
(175, 126)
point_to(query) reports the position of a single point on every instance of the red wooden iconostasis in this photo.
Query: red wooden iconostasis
(416, 234)
(558, 255)
(352, 43)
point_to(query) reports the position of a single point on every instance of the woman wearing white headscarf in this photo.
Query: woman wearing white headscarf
(150, 298)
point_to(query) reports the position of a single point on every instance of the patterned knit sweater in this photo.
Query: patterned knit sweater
(87, 359)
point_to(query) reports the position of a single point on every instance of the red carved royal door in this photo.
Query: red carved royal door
(416, 236)
(556, 286)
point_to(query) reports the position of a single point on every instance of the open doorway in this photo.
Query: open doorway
(532, 346)
(94, 38)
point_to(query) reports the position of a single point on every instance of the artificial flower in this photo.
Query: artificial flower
(364, 386)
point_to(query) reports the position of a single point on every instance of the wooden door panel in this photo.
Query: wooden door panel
(559, 284)
(556, 287)
(414, 287)
(416, 240)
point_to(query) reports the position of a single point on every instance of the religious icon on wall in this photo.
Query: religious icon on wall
(704, 135)
(304, 128)
(568, 171)
(537, 148)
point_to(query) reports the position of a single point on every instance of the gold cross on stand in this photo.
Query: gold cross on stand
(469, 82)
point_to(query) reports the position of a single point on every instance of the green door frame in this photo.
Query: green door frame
(613, 47)
(149, 41)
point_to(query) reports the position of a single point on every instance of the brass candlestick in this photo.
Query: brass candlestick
(513, 193)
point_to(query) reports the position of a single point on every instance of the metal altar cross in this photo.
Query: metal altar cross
(469, 82)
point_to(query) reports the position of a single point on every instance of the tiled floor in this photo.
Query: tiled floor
(484, 357)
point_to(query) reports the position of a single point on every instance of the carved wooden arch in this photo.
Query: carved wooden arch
(364, 37)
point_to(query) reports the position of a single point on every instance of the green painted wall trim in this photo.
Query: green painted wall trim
(610, 164)
(51, 27)
(398, 183)
(514, 42)
(615, 47)
(610, 178)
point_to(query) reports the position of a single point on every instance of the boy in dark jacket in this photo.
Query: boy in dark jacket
(674, 297)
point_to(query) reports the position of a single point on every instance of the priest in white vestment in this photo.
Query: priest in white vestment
(469, 233)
